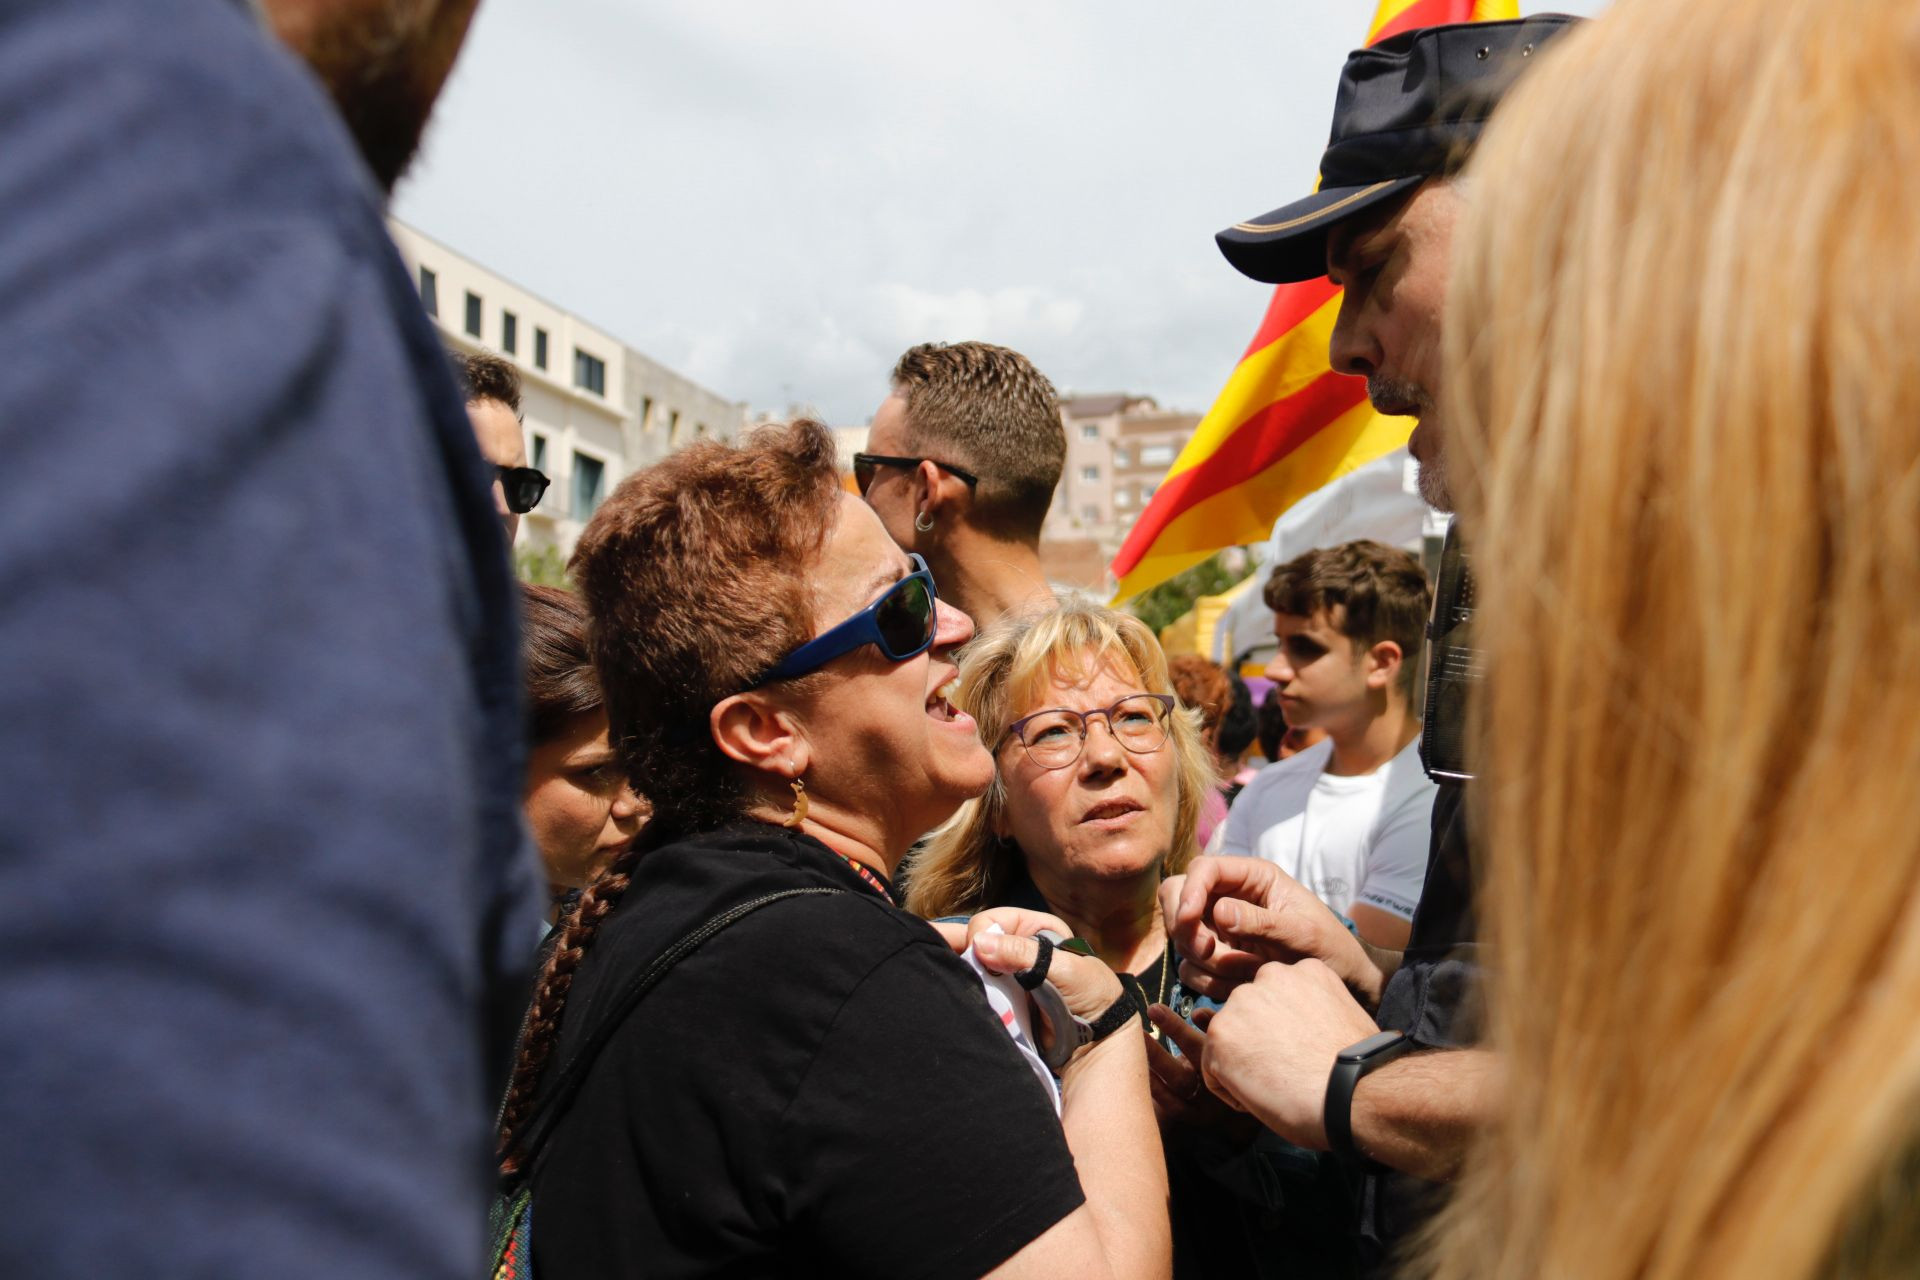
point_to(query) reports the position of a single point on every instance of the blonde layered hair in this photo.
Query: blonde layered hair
(1681, 347)
(1003, 675)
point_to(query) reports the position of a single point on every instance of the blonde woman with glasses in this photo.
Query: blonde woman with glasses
(1100, 776)
(1681, 340)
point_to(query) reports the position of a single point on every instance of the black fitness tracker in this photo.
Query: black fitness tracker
(1350, 1067)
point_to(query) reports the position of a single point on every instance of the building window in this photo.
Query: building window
(673, 427)
(589, 372)
(699, 428)
(1089, 432)
(1146, 492)
(1123, 498)
(429, 292)
(510, 333)
(539, 347)
(1090, 514)
(646, 413)
(1156, 455)
(1089, 473)
(539, 453)
(473, 314)
(1119, 457)
(589, 477)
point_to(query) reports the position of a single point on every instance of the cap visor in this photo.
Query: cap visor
(1290, 243)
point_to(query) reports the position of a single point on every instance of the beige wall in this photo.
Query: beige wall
(569, 427)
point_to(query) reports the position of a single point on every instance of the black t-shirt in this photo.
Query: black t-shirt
(1434, 999)
(820, 1090)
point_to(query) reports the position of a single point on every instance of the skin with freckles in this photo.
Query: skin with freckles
(1392, 264)
(1095, 833)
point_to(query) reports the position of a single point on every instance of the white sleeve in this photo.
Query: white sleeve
(1397, 862)
(1235, 836)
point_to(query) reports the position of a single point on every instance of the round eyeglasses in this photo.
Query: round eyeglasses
(1054, 738)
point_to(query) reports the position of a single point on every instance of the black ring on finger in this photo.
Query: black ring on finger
(1031, 978)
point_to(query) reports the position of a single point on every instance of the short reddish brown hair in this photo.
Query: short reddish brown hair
(695, 572)
(1202, 685)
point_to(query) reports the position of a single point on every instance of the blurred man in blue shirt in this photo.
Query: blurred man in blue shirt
(262, 891)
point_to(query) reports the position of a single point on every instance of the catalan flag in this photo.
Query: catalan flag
(1286, 424)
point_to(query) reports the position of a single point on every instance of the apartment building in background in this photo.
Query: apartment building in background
(1119, 447)
(593, 408)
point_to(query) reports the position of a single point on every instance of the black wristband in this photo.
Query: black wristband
(1118, 1015)
(1350, 1066)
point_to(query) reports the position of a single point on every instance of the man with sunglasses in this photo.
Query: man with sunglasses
(963, 458)
(493, 403)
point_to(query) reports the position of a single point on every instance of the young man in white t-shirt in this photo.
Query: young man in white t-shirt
(1348, 817)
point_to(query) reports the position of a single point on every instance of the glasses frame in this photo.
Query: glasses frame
(861, 629)
(508, 476)
(868, 461)
(1016, 729)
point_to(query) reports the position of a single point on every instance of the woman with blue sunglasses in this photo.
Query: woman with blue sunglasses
(819, 1085)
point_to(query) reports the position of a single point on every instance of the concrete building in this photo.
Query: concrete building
(1119, 446)
(593, 408)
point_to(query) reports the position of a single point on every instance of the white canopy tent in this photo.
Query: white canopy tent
(1377, 501)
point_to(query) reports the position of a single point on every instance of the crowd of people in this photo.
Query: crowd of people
(811, 887)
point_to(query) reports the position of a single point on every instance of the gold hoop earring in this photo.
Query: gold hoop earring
(799, 814)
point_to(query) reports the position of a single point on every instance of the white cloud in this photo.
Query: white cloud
(777, 198)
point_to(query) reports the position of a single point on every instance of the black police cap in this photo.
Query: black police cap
(1408, 108)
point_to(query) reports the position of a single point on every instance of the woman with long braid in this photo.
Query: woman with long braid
(822, 1088)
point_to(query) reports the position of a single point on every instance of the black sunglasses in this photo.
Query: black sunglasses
(523, 486)
(864, 463)
(901, 624)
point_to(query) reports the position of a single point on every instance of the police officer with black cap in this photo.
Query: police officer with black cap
(1294, 1045)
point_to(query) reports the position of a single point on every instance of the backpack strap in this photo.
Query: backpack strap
(540, 1126)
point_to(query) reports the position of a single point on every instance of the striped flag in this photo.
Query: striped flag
(1286, 423)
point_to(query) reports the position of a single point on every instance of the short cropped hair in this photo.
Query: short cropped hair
(697, 572)
(1371, 592)
(486, 376)
(987, 409)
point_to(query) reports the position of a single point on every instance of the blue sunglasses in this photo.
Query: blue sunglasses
(900, 623)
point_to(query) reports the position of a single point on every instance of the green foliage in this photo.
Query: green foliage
(545, 567)
(1162, 605)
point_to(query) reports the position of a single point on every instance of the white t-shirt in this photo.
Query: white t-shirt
(1360, 839)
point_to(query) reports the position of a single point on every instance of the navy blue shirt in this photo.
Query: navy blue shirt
(263, 892)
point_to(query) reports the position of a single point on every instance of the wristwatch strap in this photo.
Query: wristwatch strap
(1350, 1067)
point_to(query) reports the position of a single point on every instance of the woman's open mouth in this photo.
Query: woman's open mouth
(1114, 811)
(940, 705)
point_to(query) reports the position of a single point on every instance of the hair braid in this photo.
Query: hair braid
(542, 1029)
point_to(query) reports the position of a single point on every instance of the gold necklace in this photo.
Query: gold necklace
(1160, 994)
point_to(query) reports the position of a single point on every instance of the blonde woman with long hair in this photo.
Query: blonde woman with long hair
(1099, 780)
(1682, 344)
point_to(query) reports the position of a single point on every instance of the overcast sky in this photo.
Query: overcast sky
(777, 197)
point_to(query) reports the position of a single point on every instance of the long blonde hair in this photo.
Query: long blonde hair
(965, 867)
(1681, 379)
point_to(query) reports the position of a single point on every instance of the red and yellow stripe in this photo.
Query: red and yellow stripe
(1285, 424)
